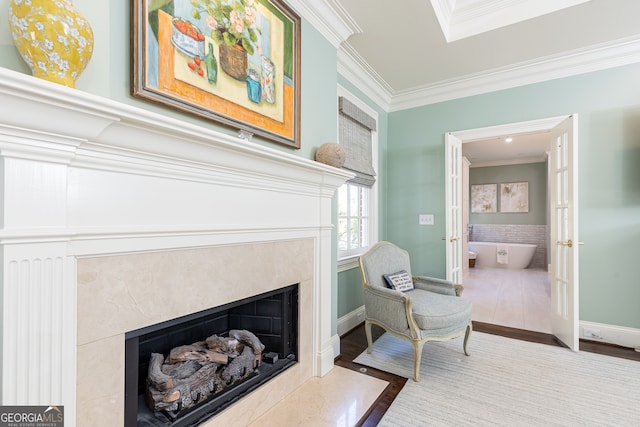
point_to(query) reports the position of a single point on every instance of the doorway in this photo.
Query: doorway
(517, 293)
(563, 190)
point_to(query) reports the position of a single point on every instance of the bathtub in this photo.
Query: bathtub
(518, 256)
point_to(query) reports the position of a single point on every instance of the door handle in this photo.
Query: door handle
(569, 243)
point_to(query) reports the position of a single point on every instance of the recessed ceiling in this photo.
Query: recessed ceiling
(402, 48)
(465, 18)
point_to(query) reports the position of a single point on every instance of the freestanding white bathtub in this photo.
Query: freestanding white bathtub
(515, 256)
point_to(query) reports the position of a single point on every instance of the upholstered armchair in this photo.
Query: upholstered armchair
(415, 308)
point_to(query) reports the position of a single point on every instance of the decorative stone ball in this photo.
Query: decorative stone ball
(331, 154)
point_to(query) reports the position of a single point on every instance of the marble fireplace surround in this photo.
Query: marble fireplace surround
(131, 291)
(106, 207)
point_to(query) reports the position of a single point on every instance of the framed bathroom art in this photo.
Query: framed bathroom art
(484, 198)
(514, 197)
(235, 62)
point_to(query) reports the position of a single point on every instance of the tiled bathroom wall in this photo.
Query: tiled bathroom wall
(515, 233)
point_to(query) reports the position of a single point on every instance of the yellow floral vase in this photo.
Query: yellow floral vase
(52, 37)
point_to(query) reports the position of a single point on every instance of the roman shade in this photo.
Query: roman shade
(355, 128)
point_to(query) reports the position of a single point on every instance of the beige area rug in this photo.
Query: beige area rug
(507, 382)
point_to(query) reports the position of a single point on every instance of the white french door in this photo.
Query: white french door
(564, 242)
(563, 212)
(453, 237)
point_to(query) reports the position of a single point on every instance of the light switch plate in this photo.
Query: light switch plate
(425, 219)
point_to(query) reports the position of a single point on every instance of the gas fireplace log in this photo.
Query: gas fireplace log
(247, 338)
(251, 340)
(224, 345)
(197, 351)
(179, 371)
(240, 367)
(155, 376)
(185, 392)
(193, 373)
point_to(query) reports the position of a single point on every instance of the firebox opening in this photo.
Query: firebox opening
(272, 317)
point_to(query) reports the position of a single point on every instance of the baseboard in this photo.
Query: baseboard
(350, 320)
(335, 343)
(611, 334)
(601, 332)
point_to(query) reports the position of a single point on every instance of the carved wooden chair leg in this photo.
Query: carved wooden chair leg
(417, 356)
(367, 330)
(466, 338)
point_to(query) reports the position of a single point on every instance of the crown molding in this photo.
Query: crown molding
(594, 58)
(579, 61)
(357, 71)
(329, 18)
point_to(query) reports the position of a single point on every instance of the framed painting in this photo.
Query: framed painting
(484, 198)
(514, 197)
(236, 62)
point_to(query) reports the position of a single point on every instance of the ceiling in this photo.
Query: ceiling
(416, 52)
(405, 47)
(523, 148)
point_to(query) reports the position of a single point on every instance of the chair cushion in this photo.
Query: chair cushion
(439, 312)
(400, 281)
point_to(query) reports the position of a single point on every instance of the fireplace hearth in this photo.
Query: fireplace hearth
(270, 317)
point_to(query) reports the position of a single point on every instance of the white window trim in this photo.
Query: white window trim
(352, 260)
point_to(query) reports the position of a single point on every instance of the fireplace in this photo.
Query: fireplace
(108, 207)
(128, 293)
(270, 317)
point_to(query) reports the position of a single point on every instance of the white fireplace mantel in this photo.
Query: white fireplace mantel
(84, 176)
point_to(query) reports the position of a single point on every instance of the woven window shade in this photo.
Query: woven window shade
(355, 136)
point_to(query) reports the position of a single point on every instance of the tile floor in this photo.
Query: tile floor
(515, 298)
(339, 399)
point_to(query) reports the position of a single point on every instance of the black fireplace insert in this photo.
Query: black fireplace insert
(272, 317)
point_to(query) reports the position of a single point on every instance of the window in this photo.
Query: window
(353, 219)
(357, 201)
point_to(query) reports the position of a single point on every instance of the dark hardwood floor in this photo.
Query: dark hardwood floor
(354, 342)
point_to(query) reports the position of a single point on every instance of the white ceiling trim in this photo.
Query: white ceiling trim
(465, 18)
(444, 12)
(595, 58)
(352, 67)
(328, 17)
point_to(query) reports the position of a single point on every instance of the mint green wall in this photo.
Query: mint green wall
(349, 291)
(608, 106)
(350, 281)
(533, 173)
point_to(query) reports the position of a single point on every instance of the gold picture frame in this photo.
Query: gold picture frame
(236, 62)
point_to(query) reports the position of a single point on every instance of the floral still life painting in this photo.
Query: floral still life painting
(236, 62)
(484, 198)
(514, 197)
